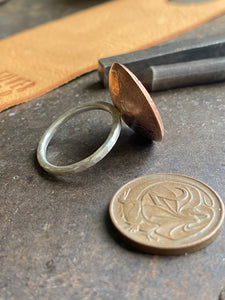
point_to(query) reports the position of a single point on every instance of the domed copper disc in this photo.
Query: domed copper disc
(134, 103)
(167, 214)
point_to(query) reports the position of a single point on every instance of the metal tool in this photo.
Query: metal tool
(175, 64)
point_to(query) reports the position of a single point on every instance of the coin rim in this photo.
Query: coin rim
(146, 96)
(176, 250)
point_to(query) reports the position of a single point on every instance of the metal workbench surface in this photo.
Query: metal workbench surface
(56, 237)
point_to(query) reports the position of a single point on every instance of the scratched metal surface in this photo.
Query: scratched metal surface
(56, 239)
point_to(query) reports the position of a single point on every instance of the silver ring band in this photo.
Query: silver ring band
(93, 158)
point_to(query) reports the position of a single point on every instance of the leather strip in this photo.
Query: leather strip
(38, 60)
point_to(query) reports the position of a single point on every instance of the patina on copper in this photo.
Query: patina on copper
(167, 214)
(135, 103)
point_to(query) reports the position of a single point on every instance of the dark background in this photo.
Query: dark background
(56, 238)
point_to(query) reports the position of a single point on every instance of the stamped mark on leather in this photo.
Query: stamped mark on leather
(11, 82)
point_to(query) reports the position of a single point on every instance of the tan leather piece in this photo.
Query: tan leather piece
(38, 60)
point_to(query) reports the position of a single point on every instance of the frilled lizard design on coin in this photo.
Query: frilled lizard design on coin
(167, 213)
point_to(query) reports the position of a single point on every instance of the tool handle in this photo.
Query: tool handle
(183, 74)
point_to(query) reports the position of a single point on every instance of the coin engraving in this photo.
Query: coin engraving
(168, 211)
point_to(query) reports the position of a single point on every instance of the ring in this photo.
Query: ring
(89, 161)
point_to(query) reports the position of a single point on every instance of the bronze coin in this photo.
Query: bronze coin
(134, 103)
(167, 214)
